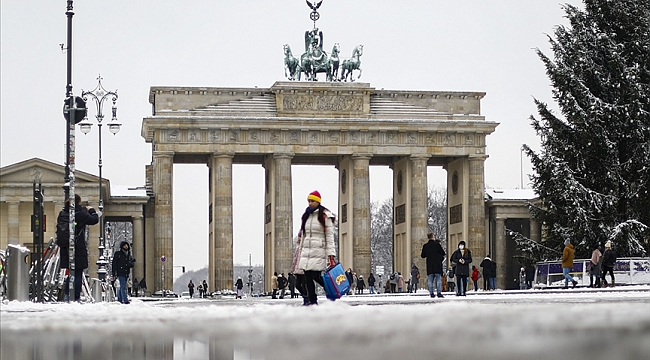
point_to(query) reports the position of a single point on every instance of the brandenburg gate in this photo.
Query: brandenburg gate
(349, 125)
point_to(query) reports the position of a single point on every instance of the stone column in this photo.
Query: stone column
(138, 246)
(419, 214)
(476, 207)
(163, 167)
(283, 222)
(500, 256)
(535, 234)
(221, 168)
(13, 220)
(361, 210)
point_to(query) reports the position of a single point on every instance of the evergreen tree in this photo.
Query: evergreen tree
(593, 170)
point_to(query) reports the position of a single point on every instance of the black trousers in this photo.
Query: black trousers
(311, 278)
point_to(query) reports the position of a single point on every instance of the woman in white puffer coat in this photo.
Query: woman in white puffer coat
(316, 241)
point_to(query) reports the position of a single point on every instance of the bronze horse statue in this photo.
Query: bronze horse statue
(291, 65)
(353, 63)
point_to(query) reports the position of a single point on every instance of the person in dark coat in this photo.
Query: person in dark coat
(205, 289)
(143, 286)
(190, 288)
(360, 285)
(122, 264)
(415, 279)
(371, 283)
(83, 216)
(609, 261)
(434, 254)
(489, 273)
(136, 285)
(292, 285)
(460, 259)
(240, 288)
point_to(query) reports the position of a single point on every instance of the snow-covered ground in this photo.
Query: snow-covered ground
(568, 324)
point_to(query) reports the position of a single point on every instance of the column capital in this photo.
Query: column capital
(477, 157)
(419, 156)
(284, 155)
(223, 155)
(361, 156)
(158, 153)
(137, 217)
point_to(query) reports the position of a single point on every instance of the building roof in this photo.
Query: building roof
(510, 194)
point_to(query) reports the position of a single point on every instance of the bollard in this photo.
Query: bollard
(17, 272)
(97, 290)
(109, 294)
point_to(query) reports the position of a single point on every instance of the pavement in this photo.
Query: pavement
(581, 323)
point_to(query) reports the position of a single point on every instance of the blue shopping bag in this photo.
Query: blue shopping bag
(336, 283)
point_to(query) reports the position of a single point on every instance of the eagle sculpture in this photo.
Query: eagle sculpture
(315, 8)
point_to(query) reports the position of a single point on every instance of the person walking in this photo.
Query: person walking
(200, 288)
(143, 287)
(240, 287)
(393, 282)
(371, 283)
(489, 272)
(522, 279)
(475, 276)
(122, 263)
(400, 282)
(205, 289)
(434, 254)
(350, 277)
(594, 268)
(274, 285)
(83, 216)
(415, 278)
(353, 284)
(292, 285)
(190, 287)
(360, 285)
(318, 249)
(136, 285)
(567, 263)
(460, 259)
(282, 285)
(609, 261)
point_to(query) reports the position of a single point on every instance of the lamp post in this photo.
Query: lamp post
(99, 95)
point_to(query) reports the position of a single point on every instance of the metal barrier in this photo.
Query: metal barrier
(628, 271)
(17, 262)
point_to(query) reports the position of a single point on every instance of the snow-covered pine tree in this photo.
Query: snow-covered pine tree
(593, 170)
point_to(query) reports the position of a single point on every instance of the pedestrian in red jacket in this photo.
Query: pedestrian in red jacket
(475, 276)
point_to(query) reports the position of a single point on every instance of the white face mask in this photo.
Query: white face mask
(461, 247)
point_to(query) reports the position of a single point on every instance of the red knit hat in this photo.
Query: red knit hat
(314, 195)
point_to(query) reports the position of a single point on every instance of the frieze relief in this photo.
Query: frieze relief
(333, 103)
(354, 137)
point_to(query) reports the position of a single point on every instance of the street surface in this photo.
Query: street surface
(533, 324)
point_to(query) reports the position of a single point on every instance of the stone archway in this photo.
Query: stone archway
(349, 125)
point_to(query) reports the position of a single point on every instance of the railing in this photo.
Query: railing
(627, 271)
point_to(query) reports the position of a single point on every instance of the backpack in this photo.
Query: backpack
(63, 229)
(392, 276)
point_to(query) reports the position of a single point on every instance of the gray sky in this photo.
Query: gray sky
(463, 45)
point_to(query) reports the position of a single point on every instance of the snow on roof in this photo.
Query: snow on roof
(128, 191)
(510, 194)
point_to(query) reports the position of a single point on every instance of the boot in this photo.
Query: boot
(612, 283)
(574, 284)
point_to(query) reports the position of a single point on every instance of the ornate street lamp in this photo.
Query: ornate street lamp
(99, 95)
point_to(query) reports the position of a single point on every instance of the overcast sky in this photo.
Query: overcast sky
(462, 45)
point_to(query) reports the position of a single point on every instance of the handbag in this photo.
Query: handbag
(296, 259)
(335, 282)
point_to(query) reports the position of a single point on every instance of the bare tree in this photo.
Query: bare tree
(437, 204)
(381, 235)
